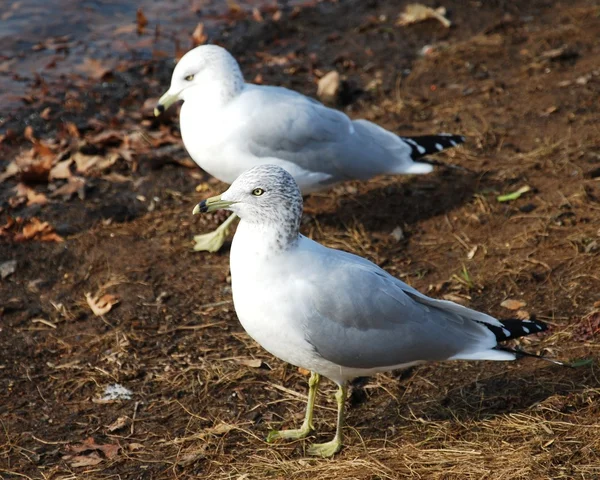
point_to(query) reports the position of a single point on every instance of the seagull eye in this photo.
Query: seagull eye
(257, 192)
(189, 78)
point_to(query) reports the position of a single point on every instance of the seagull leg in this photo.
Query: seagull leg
(213, 241)
(332, 447)
(307, 425)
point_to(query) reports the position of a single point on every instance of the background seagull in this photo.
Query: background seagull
(334, 313)
(228, 126)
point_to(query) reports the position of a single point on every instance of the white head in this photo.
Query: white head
(206, 71)
(265, 195)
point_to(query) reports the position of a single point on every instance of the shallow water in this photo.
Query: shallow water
(44, 39)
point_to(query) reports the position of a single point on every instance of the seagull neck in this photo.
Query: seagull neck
(264, 238)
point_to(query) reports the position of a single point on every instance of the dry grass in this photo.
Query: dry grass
(205, 395)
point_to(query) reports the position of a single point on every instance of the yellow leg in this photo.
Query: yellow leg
(332, 447)
(307, 425)
(213, 241)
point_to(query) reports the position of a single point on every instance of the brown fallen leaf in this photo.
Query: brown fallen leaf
(90, 453)
(464, 301)
(303, 371)
(107, 138)
(11, 170)
(72, 130)
(511, 304)
(140, 20)
(37, 171)
(199, 37)
(62, 170)
(415, 12)
(46, 113)
(93, 68)
(74, 185)
(38, 230)
(256, 15)
(101, 305)
(33, 198)
(28, 134)
(250, 362)
(83, 460)
(117, 424)
(7, 227)
(85, 162)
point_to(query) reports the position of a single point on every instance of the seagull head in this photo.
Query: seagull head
(205, 68)
(262, 194)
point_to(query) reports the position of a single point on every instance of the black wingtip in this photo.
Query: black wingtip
(512, 328)
(427, 144)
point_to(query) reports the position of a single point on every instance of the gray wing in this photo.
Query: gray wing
(359, 316)
(286, 125)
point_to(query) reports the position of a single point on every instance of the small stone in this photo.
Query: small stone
(328, 90)
(7, 268)
(397, 234)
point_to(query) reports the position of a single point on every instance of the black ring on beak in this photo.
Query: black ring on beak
(203, 206)
(160, 107)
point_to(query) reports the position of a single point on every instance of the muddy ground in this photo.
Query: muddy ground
(519, 79)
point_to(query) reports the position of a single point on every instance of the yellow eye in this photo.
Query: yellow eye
(189, 78)
(257, 192)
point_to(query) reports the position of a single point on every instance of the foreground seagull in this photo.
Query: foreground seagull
(228, 126)
(334, 313)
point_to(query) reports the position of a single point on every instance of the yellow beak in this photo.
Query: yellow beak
(211, 204)
(164, 103)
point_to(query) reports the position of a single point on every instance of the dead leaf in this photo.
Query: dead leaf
(116, 177)
(256, 15)
(93, 453)
(83, 460)
(117, 424)
(190, 457)
(107, 138)
(38, 230)
(303, 371)
(72, 130)
(457, 299)
(199, 37)
(33, 198)
(62, 170)
(85, 162)
(93, 68)
(140, 20)
(74, 185)
(28, 134)
(415, 12)
(11, 170)
(101, 305)
(250, 362)
(220, 429)
(511, 304)
(134, 447)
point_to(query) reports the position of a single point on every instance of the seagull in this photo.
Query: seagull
(228, 126)
(334, 313)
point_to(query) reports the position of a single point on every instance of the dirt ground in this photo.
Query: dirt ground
(520, 79)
